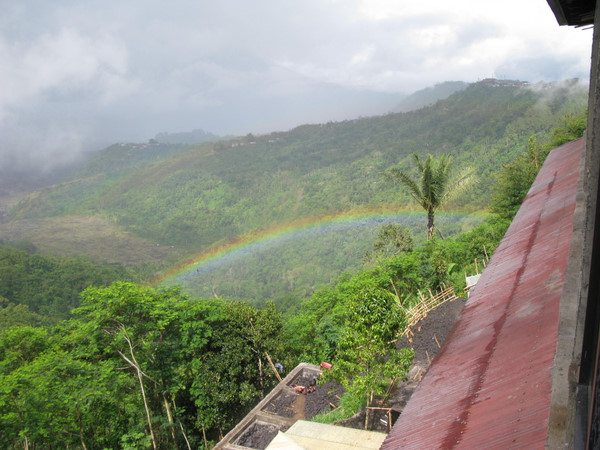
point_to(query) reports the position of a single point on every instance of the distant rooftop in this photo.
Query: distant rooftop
(494, 82)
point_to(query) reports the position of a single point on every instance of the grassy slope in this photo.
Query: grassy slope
(88, 235)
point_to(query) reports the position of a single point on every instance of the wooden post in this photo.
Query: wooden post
(273, 367)
(389, 391)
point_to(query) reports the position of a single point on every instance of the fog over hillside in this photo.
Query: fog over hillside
(82, 76)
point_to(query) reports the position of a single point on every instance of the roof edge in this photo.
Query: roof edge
(559, 13)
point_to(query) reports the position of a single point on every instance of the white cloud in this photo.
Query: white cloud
(127, 70)
(64, 61)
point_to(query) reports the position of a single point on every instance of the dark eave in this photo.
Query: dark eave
(573, 12)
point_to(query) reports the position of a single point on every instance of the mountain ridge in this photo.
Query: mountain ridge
(190, 198)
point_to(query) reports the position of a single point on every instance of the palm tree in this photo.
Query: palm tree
(434, 186)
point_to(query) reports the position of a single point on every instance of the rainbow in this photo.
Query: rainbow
(251, 242)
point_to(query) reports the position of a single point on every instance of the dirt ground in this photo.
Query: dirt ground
(259, 435)
(430, 333)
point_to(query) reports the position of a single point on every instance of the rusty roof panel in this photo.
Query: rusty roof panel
(489, 386)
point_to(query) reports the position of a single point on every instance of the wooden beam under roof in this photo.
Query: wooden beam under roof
(573, 12)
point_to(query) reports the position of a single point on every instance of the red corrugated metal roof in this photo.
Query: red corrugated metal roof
(490, 385)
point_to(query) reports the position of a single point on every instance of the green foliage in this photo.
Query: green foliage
(136, 366)
(316, 330)
(366, 354)
(228, 376)
(570, 127)
(52, 399)
(392, 238)
(514, 182)
(46, 285)
(49, 395)
(516, 177)
(434, 185)
(12, 314)
(197, 196)
(349, 405)
(288, 271)
(354, 322)
(134, 358)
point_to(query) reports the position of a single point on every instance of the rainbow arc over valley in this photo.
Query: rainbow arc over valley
(276, 234)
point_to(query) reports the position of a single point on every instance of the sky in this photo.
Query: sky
(77, 75)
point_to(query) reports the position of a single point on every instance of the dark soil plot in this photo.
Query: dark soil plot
(431, 332)
(282, 405)
(321, 399)
(259, 435)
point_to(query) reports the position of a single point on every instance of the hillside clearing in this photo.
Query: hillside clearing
(93, 236)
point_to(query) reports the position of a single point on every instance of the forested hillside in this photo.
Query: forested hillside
(141, 367)
(183, 200)
(41, 289)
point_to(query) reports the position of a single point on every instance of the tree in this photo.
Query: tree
(53, 392)
(229, 374)
(141, 326)
(195, 365)
(515, 179)
(392, 239)
(435, 185)
(571, 127)
(366, 356)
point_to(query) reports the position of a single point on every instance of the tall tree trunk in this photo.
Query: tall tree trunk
(185, 437)
(141, 380)
(260, 373)
(133, 363)
(204, 437)
(187, 442)
(26, 442)
(171, 422)
(80, 427)
(430, 217)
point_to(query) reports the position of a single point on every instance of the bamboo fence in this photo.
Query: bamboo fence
(427, 303)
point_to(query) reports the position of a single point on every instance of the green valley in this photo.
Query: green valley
(316, 256)
(152, 206)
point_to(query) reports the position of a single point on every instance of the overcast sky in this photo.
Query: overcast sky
(79, 73)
